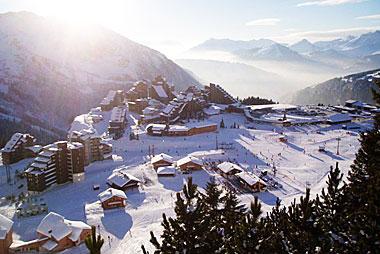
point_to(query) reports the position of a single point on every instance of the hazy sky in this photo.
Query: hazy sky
(175, 25)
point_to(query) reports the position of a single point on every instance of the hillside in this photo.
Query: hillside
(51, 71)
(338, 90)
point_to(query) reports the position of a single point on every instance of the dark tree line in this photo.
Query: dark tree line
(251, 100)
(343, 218)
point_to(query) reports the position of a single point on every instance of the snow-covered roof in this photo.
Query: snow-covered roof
(50, 245)
(42, 159)
(57, 227)
(169, 170)
(110, 97)
(111, 192)
(35, 148)
(339, 117)
(178, 128)
(46, 153)
(227, 166)
(168, 109)
(250, 179)
(189, 159)
(351, 101)
(156, 127)
(16, 139)
(162, 156)
(212, 110)
(37, 164)
(121, 179)
(160, 91)
(53, 225)
(5, 226)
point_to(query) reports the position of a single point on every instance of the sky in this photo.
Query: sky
(172, 26)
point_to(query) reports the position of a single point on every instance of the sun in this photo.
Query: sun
(82, 12)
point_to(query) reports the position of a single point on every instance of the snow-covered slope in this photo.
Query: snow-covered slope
(336, 91)
(53, 71)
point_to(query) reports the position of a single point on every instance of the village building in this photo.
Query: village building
(338, 118)
(137, 91)
(122, 181)
(189, 163)
(138, 105)
(57, 163)
(229, 169)
(55, 234)
(166, 171)
(160, 90)
(20, 146)
(94, 147)
(251, 181)
(217, 94)
(161, 160)
(117, 122)
(178, 130)
(5, 234)
(112, 198)
(113, 99)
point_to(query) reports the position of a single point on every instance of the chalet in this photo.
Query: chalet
(161, 160)
(16, 148)
(166, 171)
(112, 198)
(122, 181)
(251, 181)
(5, 234)
(228, 169)
(189, 163)
(55, 234)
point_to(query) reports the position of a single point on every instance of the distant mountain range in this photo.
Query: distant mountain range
(344, 54)
(337, 90)
(51, 71)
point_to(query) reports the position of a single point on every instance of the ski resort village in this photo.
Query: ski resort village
(123, 162)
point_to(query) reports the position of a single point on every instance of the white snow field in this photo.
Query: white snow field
(253, 146)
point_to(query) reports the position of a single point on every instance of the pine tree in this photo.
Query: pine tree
(363, 192)
(185, 232)
(222, 124)
(232, 215)
(94, 243)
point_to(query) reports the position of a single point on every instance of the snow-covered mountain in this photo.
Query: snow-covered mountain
(51, 71)
(276, 52)
(336, 91)
(304, 47)
(229, 45)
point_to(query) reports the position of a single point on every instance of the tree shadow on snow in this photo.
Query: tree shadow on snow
(174, 183)
(333, 156)
(117, 222)
(267, 198)
(135, 197)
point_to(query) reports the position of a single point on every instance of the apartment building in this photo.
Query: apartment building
(117, 122)
(217, 94)
(19, 146)
(113, 99)
(92, 143)
(57, 163)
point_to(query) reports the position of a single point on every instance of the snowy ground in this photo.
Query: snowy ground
(298, 161)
